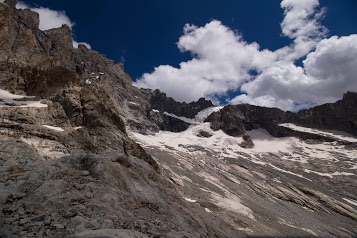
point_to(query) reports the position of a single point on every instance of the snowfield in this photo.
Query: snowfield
(202, 115)
(8, 99)
(201, 166)
(225, 146)
(333, 134)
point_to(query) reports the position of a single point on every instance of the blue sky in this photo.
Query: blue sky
(144, 34)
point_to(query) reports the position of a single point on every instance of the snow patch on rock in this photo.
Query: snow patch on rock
(351, 201)
(55, 128)
(185, 119)
(190, 200)
(202, 115)
(332, 134)
(8, 99)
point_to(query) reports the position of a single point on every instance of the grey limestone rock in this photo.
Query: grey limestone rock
(247, 142)
(71, 169)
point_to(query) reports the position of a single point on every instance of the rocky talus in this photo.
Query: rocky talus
(264, 171)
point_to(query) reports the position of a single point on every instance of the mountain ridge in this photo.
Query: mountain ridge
(339, 116)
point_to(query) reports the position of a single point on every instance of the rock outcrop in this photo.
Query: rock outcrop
(34, 62)
(83, 192)
(235, 120)
(68, 166)
(341, 115)
(159, 101)
(247, 142)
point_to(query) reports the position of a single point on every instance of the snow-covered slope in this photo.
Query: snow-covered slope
(202, 115)
(278, 176)
(199, 118)
(225, 146)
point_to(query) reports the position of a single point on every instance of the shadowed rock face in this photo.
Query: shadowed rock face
(341, 115)
(228, 119)
(236, 120)
(161, 102)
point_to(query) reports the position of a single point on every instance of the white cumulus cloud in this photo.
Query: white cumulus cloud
(301, 23)
(50, 19)
(222, 61)
(327, 73)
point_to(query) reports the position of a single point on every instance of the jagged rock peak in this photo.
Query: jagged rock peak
(83, 47)
(62, 36)
(161, 102)
(11, 3)
(350, 95)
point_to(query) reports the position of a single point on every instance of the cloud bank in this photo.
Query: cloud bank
(222, 61)
(50, 19)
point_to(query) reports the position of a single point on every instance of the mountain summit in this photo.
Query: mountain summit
(84, 153)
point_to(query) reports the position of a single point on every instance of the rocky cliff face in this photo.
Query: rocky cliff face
(341, 115)
(80, 155)
(161, 102)
(237, 120)
(32, 61)
(67, 163)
